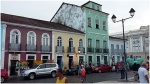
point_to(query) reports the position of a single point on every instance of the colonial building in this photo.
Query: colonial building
(69, 48)
(138, 42)
(90, 19)
(116, 48)
(32, 41)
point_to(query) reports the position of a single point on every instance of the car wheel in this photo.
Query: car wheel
(100, 71)
(2, 79)
(53, 74)
(31, 76)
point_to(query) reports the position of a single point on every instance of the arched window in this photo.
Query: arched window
(45, 39)
(31, 38)
(70, 42)
(80, 43)
(59, 41)
(15, 36)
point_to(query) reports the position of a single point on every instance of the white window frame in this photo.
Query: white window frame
(89, 43)
(34, 37)
(58, 40)
(48, 36)
(19, 35)
(42, 55)
(98, 45)
(27, 55)
(80, 42)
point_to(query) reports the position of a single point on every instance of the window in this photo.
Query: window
(104, 44)
(80, 43)
(112, 48)
(104, 25)
(45, 59)
(31, 38)
(98, 59)
(93, 6)
(97, 24)
(89, 22)
(70, 42)
(117, 46)
(122, 47)
(45, 39)
(30, 57)
(48, 65)
(42, 66)
(97, 44)
(59, 41)
(89, 43)
(15, 36)
(98, 8)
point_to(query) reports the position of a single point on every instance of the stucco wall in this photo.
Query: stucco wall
(70, 15)
(65, 42)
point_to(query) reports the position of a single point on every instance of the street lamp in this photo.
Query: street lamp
(78, 53)
(132, 12)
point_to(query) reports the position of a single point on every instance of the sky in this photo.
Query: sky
(45, 10)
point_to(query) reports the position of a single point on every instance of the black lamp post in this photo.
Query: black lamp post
(132, 11)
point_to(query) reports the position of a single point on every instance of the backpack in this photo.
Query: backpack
(83, 72)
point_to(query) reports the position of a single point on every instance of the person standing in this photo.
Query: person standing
(83, 74)
(61, 78)
(143, 74)
(122, 70)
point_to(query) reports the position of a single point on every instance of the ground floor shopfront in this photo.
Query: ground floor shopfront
(68, 60)
(16, 62)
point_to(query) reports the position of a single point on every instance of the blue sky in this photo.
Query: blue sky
(45, 9)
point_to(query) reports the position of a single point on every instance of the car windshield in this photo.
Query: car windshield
(35, 66)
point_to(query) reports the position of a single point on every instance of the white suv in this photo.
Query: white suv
(39, 70)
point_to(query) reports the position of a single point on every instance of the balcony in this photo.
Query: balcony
(59, 49)
(45, 48)
(71, 49)
(98, 50)
(112, 51)
(82, 49)
(105, 50)
(30, 47)
(14, 47)
(90, 50)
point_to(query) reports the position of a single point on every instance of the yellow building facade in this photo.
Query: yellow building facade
(69, 48)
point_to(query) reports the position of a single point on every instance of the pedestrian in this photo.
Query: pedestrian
(90, 64)
(83, 75)
(143, 74)
(61, 78)
(79, 70)
(85, 64)
(122, 70)
(117, 66)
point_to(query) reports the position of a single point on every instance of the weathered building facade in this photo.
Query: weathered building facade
(90, 19)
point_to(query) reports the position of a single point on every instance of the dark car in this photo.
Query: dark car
(4, 75)
(74, 70)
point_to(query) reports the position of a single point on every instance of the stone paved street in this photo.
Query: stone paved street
(110, 77)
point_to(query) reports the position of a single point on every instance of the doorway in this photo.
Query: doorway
(98, 60)
(59, 61)
(13, 67)
(70, 61)
(80, 59)
(105, 59)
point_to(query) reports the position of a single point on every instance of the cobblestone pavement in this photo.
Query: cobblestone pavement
(110, 77)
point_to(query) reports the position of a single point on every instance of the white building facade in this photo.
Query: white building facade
(138, 43)
(116, 48)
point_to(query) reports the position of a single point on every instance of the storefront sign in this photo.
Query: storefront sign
(38, 62)
(14, 57)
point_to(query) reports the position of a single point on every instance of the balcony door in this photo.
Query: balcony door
(70, 42)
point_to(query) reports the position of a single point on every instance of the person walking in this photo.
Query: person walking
(83, 75)
(122, 70)
(79, 69)
(143, 74)
(61, 78)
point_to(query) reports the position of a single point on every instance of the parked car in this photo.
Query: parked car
(102, 68)
(40, 70)
(4, 75)
(74, 70)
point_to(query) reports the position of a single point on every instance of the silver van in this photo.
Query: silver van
(40, 70)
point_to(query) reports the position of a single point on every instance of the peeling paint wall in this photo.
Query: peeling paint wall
(72, 16)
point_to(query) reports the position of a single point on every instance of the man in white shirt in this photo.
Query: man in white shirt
(143, 74)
